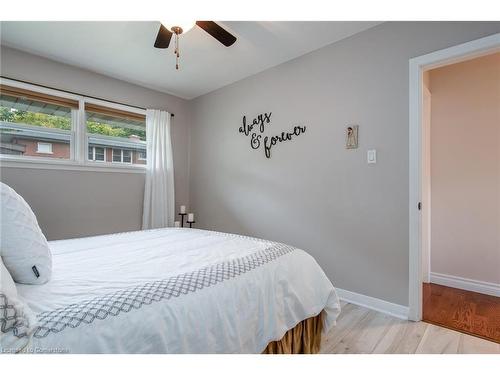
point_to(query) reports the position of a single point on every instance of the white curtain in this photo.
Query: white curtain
(159, 190)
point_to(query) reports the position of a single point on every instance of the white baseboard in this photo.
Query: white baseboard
(483, 287)
(372, 303)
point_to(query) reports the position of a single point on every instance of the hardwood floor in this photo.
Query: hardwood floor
(461, 310)
(360, 330)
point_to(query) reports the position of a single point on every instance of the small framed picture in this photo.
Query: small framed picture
(351, 139)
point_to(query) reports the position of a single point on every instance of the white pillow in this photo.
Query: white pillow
(17, 321)
(23, 247)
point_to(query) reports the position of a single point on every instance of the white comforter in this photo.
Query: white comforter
(175, 291)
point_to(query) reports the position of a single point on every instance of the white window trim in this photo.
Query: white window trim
(131, 156)
(44, 144)
(7, 161)
(79, 140)
(93, 154)
(121, 156)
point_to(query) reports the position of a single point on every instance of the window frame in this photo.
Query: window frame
(79, 140)
(130, 156)
(45, 144)
(94, 153)
(113, 149)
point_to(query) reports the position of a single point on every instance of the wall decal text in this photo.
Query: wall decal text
(258, 139)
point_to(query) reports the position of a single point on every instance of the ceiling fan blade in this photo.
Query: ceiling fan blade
(217, 32)
(163, 37)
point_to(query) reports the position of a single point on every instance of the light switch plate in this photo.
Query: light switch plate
(371, 156)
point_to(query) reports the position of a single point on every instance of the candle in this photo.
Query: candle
(183, 209)
(177, 224)
(190, 217)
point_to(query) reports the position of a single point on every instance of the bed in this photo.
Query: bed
(178, 290)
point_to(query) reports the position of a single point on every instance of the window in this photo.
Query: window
(34, 125)
(123, 132)
(126, 156)
(122, 156)
(97, 153)
(44, 148)
(39, 125)
(117, 155)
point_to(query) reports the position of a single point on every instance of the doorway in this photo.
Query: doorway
(420, 248)
(461, 196)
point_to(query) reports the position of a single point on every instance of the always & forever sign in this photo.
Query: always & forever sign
(256, 129)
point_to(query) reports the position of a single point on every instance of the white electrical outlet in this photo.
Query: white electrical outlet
(371, 156)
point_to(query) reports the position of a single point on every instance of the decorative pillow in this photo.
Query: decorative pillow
(23, 247)
(17, 321)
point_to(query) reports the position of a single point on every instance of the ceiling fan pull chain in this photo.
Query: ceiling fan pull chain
(176, 51)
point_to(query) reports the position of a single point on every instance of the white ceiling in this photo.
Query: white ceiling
(124, 50)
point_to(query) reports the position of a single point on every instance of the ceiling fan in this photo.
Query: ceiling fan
(165, 35)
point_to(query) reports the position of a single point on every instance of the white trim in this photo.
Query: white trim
(94, 152)
(131, 155)
(38, 144)
(81, 145)
(121, 156)
(389, 308)
(426, 185)
(483, 287)
(417, 65)
(48, 163)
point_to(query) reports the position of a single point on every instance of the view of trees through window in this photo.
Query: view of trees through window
(34, 118)
(114, 131)
(63, 122)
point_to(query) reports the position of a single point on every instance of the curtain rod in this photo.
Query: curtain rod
(75, 93)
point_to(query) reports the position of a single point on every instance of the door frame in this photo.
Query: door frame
(425, 211)
(417, 66)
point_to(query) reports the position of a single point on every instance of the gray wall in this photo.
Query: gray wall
(71, 204)
(313, 193)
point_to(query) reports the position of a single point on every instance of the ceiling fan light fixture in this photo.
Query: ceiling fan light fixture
(169, 30)
(184, 26)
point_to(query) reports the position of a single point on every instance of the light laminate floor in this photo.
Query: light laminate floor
(360, 330)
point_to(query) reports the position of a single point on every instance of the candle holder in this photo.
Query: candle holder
(191, 223)
(182, 219)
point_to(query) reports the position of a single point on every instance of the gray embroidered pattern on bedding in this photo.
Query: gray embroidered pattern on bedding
(126, 300)
(10, 320)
